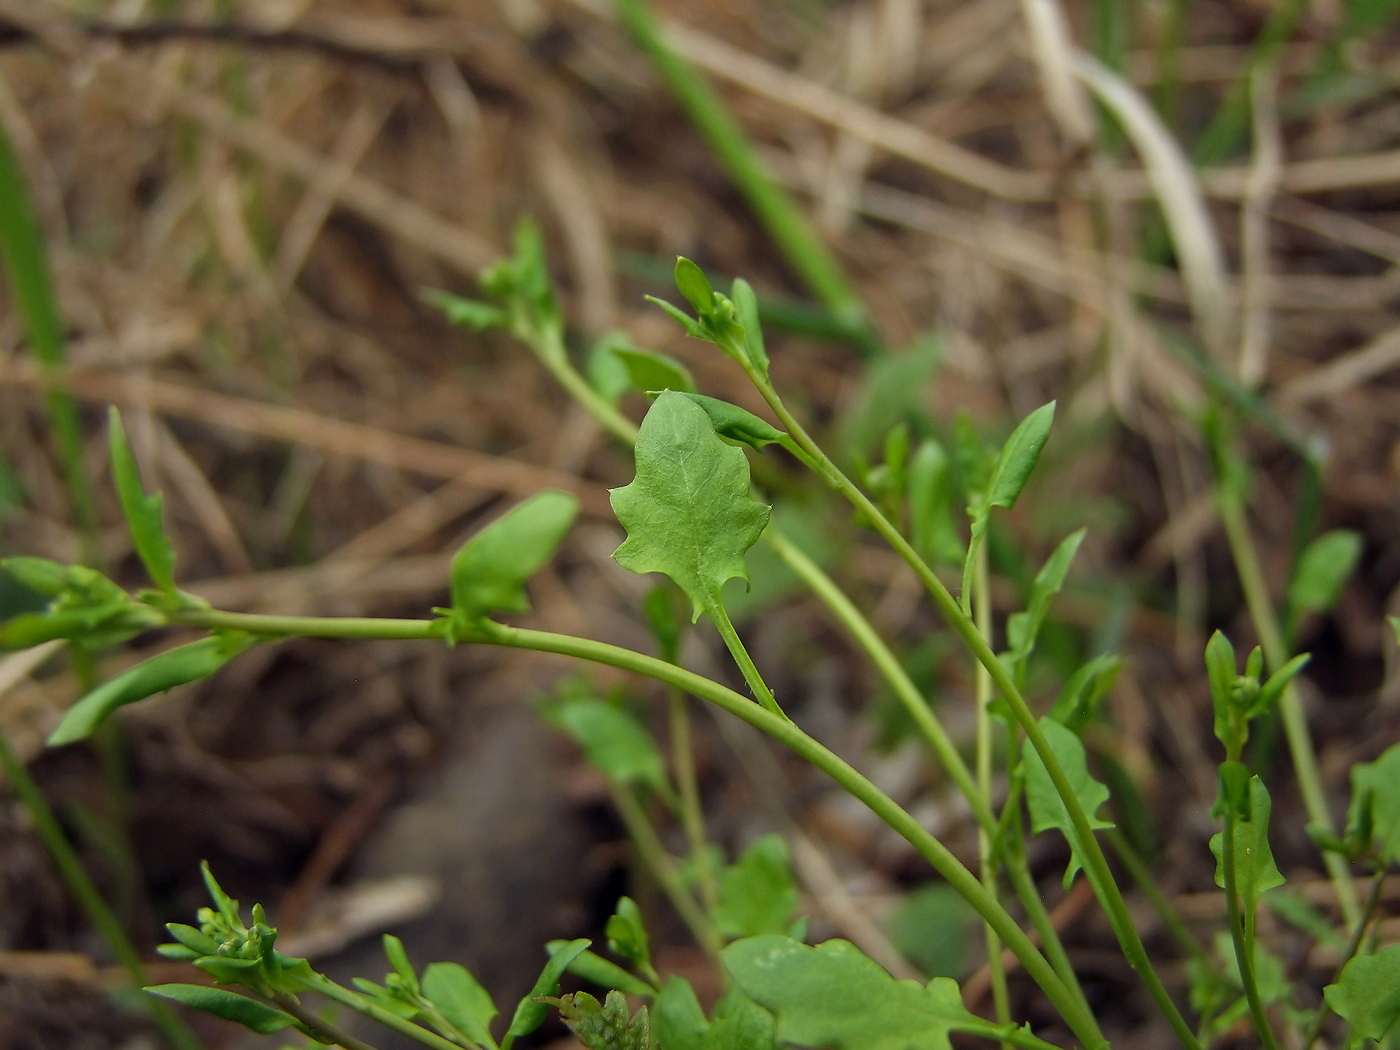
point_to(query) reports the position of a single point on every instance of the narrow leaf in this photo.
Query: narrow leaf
(489, 573)
(469, 313)
(1018, 457)
(251, 1014)
(737, 424)
(835, 997)
(649, 370)
(1022, 628)
(461, 1000)
(688, 513)
(187, 663)
(1367, 994)
(604, 972)
(530, 1014)
(144, 514)
(746, 304)
(627, 934)
(1046, 806)
(931, 523)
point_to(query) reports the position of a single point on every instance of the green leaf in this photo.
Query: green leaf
(1375, 787)
(695, 286)
(469, 313)
(1221, 671)
(1022, 627)
(736, 424)
(688, 513)
(605, 1026)
(1018, 458)
(833, 996)
(251, 1014)
(660, 607)
(1046, 807)
(931, 524)
(223, 903)
(627, 934)
(739, 1023)
(932, 927)
(1323, 568)
(894, 387)
(614, 742)
(1255, 871)
(757, 894)
(530, 1014)
(187, 663)
(1079, 699)
(461, 1000)
(489, 573)
(144, 515)
(746, 304)
(677, 1019)
(1367, 994)
(692, 328)
(593, 967)
(49, 578)
(397, 955)
(649, 370)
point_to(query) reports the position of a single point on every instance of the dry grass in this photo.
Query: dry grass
(240, 214)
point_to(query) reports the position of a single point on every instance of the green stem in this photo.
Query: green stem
(311, 626)
(1242, 933)
(979, 600)
(552, 354)
(755, 681)
(80, 884)
(692, 814)
(1018, 871)
(804, 250)
(1095, 863)
(1295, 723)
(661, 864)
(372, 1010)
(1080, 1019)
(1358, 937)
(323, 1032)
(1147, 884)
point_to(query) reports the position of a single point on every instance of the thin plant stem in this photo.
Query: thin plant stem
(1018, 871)
(732, 642)
(1129, 857)
(980, 602)
(1242, 933)
(1079, 1018)
(1295, 723)
(692, 814)
(663, 868)
(80, 884)
(1358, 937)
(1095, 863)
(360, 1004)
(800, 244)
(555, 358)
(323, 1031)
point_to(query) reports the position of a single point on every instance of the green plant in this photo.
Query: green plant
(692, 515)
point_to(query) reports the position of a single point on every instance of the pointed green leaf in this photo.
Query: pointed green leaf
(1379, 781)
(695, 286)
(144, 515)
(931, 523)
(649, 370)
(615, 743)
(1022, 628)
(1018, 458)
(251, 1014)
(489, 573)
(1046, 807)
(1079, 699)
(757, 894)
(469, 313)
(677, 1019)
(40, 575)
(627, 934)
(593, 967)
(1323, 568)
(1255, 871)
(692, 328)
(736, 424)
(530, 1014)
(397, 955)
(187, 663)
(461, 1000)
(746, 304)
(833, 996)
(688, 513)
(1367, 994)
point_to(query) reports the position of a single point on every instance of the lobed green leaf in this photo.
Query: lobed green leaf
(757, 894)
(1255, 871)
(688, 513)
(1367, 993)
(1047, 808)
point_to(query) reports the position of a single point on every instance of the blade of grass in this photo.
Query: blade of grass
(31, 285)
(804, 250)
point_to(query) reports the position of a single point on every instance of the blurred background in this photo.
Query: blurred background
(241, 202)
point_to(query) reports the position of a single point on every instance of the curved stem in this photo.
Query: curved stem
(692, 813)
(1295, 723)
(1095, 863)
(556, 359)
(1241, 932)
